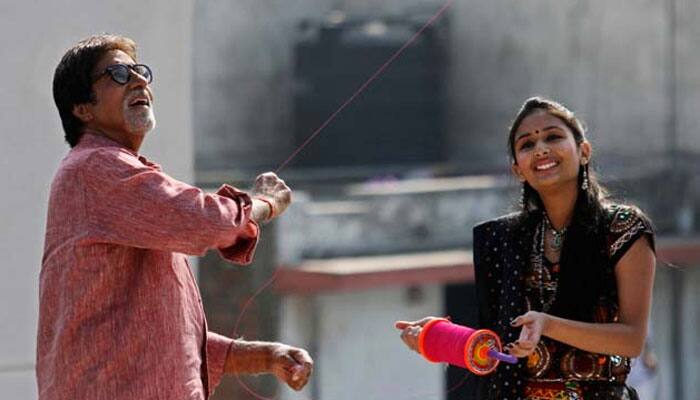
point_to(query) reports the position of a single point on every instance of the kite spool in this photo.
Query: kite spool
(478, 351)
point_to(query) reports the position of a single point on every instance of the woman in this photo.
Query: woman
(566, 281)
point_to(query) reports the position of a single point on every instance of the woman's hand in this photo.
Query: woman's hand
(533, 323)
(410, 331)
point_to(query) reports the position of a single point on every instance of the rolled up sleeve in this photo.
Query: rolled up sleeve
(218, 347)
(242, 250)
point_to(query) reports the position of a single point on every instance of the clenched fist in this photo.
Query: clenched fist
(271, 194)
(291, 365)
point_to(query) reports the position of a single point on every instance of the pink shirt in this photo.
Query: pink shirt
(120, 315)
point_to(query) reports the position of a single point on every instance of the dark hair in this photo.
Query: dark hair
(583, 256)
(72, 80)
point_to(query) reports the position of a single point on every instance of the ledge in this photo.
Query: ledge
(356, 273)
(680, 251)
(441, 267)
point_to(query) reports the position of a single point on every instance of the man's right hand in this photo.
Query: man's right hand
(272, 195)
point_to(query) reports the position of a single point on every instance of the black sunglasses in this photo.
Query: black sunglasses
(121, 73)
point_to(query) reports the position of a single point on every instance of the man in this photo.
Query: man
(120, 312)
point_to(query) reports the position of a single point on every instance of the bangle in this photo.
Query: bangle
(271, 214)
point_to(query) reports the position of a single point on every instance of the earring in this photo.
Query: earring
(522, 196)
(584, 181)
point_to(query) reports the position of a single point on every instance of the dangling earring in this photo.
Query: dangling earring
(522, 196)
(584, 183)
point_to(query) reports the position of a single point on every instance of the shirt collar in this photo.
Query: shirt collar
(94, 139)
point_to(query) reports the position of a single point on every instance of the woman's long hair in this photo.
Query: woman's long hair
(584, 258)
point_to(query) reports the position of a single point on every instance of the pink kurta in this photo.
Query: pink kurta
(120, 315)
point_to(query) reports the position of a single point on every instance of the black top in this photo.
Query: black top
(503, 250)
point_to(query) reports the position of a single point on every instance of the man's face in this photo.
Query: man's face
(121, 110)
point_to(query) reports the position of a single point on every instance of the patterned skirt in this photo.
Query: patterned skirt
(573, 390)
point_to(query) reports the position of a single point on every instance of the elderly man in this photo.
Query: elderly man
(120, 312)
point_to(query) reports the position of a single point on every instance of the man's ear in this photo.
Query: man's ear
(516, 171)
(83, 112)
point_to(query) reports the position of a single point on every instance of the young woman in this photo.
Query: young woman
(566, 281)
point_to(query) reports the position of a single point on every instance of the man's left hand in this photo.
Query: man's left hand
(291, 365)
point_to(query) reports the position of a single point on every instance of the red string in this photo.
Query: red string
(366, 84)
(445, 342)
(236, 333)
(308, 140)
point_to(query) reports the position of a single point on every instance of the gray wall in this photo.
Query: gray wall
(604, 59)
(33, 37)
(243, 76)
(678, 352)
(608, 61)
(358, 353)
(688, 72)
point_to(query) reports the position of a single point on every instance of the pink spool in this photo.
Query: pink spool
(479, 351)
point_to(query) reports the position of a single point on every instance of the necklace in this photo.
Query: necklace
(547, 282)
(557, 235)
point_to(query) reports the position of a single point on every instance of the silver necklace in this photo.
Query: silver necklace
(537, 260)
(557, 235)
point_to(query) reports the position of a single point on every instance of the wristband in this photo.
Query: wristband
(269, 204)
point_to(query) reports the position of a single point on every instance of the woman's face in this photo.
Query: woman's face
(546, 153)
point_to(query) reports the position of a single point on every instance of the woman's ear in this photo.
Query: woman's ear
(586, 152)
(82, 112)
(516, 171)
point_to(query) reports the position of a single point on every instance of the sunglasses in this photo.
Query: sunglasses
(121, 73)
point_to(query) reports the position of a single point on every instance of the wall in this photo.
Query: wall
(356, 347)
(33, 37)
(243, 77)
(612, 63)
(688, 72)
(675, 320)
(630, 70)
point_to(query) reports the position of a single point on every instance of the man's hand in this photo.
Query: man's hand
(291, 365)
(271, 194)
(410, 331)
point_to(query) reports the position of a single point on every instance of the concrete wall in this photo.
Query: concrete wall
(359, 354)
(688, 73)
(33, 37)
(392, 218)
(243, 75)
(613, 63)
(604, 60)
(610, 62)
(676, 346)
